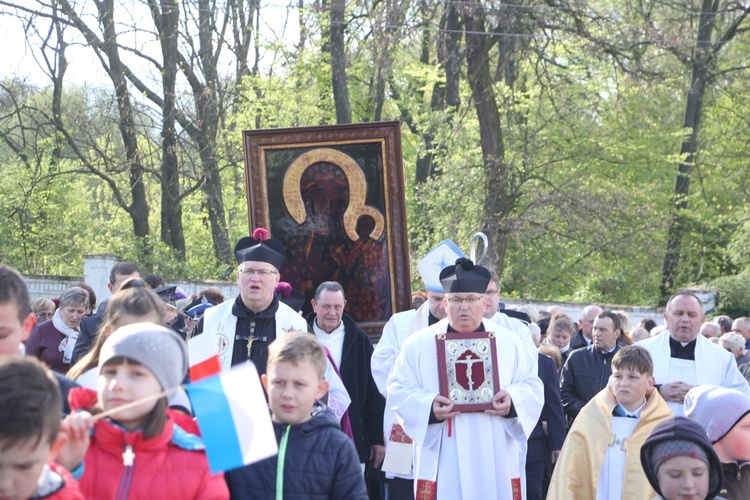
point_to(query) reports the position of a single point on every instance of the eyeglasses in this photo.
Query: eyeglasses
(44, 315)
(473, 299)
(263, 273)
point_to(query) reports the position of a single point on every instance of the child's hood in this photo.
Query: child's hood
(681, 428)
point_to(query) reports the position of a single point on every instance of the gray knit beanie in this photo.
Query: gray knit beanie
(716, 409)
(157, 348)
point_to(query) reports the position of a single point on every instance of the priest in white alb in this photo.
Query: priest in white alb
(466, 455)
(399, 448)
(683, 358)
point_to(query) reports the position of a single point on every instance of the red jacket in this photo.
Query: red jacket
(69, 489)
(121, 465)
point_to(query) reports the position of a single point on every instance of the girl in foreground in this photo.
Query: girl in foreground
(133, 302)
(139, 452)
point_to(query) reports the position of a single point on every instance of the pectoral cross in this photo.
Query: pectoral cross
(251, 338)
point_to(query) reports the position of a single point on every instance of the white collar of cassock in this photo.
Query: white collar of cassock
(339, 330)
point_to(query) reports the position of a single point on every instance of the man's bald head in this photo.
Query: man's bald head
(586, 323)
(742, 326)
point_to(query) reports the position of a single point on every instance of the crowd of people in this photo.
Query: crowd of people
(460, 398)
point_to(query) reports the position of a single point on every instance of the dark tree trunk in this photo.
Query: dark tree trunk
(171, 207)
(693, 111)
(447, 95)
(498, 203)
(453, 58)
(338, 63)
(138, 209)
(207, 107)
(57, 88)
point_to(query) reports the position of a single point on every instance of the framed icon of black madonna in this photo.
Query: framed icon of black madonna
(334, 196)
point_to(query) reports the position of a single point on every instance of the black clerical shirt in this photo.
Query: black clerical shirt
(678, 351)
(258, 329)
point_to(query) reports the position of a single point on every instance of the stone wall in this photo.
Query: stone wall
(96, 274)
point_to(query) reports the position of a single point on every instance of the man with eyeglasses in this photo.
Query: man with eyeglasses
(247, 325)
(461, 454)
(399, 473)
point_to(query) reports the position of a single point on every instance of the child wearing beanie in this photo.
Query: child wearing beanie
(679, 461)
(139, 451)
(725, 415)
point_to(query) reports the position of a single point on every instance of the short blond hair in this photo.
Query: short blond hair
(553, 352)
(42, 304)
(294, 347)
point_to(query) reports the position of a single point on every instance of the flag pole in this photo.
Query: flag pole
(133, 404)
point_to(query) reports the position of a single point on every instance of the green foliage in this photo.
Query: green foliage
(732, 295)
(591, 138)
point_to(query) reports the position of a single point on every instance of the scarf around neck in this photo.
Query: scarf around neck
(71, 335)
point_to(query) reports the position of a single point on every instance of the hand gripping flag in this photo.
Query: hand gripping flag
(233, 417)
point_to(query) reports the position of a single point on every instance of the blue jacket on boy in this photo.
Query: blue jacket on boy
(321, 462)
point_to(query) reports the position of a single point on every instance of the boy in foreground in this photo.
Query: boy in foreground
(17, 321)
(602, 447)
(315, 459)
(30, 409)
(679, 461)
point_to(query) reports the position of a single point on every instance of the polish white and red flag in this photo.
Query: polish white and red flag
(203, 355)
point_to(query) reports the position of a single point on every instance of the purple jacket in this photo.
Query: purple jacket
(44, 343)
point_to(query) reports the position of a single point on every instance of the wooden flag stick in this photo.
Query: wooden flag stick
(132, 404)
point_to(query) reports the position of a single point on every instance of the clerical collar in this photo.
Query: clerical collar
(431, 320)
(319, 331)
(240, 310)
(480, 329)
(677, 350)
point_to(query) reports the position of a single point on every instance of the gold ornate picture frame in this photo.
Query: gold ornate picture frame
(334, 196)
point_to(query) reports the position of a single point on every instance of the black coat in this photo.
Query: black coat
(87, 332)
(578, 341)
(584, 374)
(321, 463)
(367, 406)
(552, 411)
(65, 386)
(736, 481)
